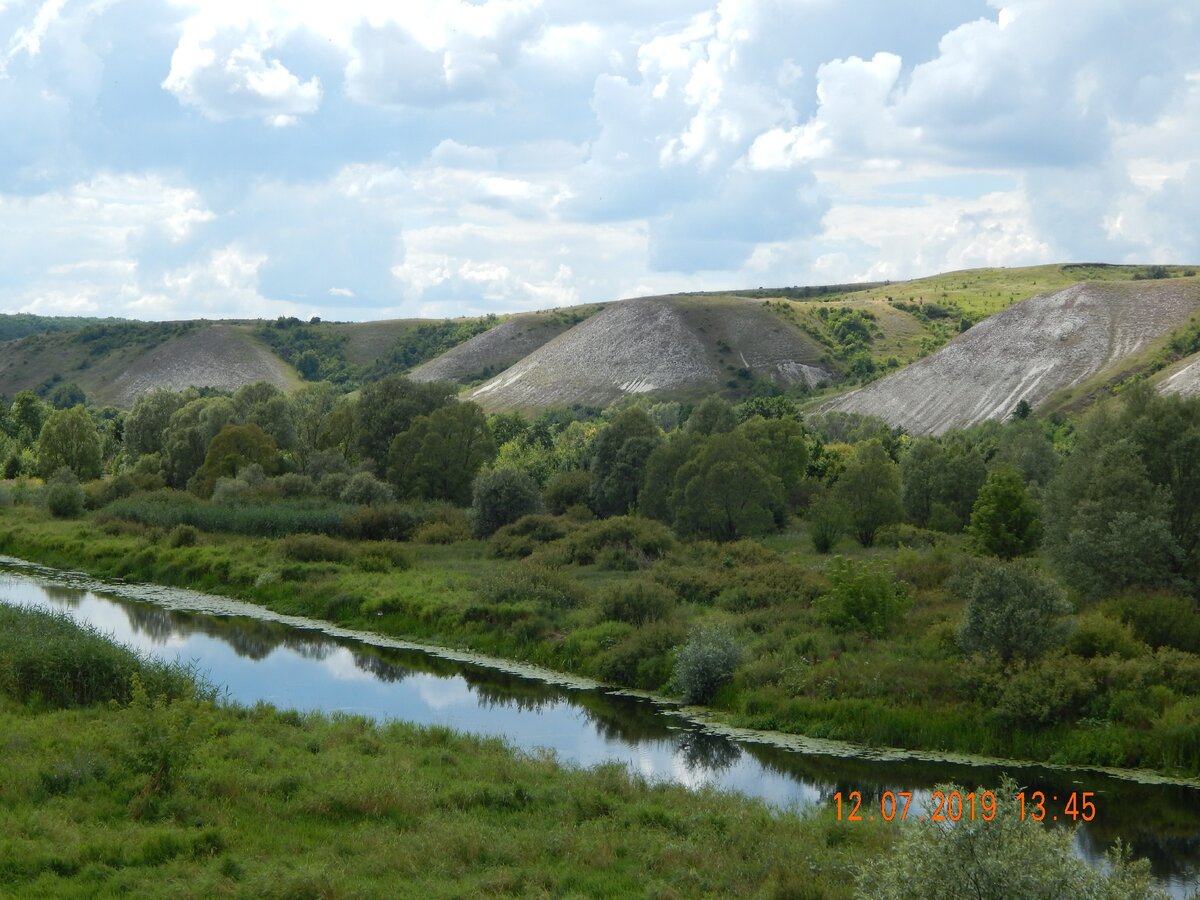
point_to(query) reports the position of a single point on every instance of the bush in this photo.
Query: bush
(862, 597)
(901, 534)
(642, 659)
(1003, 857)
(332, 485)
(567, 489)
(641, 540)
(637, 603)
(382, 556)
(523, 536)
(1161, 619)
(313, 548)
(1043, 692)
(500, 497)
(64, 495)
(827, 522)
(443, 532)
(706, 662)
(1015, 611)
(927, 570)
(183, 536)
(1097, 635)
(527, 582)
(393, 522)
(294, 485)
(364, 489)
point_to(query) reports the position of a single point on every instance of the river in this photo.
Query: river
(292, 663)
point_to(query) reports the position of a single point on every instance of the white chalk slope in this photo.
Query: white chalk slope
(1027, 352)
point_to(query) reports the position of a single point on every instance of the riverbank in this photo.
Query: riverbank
(910, 689)
(138, 796)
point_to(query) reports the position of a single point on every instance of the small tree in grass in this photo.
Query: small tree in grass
(704, 663)
(1004, 521)
(1015, 611)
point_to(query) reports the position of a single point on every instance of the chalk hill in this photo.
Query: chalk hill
(1034, 350)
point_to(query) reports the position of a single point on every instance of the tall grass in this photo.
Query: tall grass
(50, 660)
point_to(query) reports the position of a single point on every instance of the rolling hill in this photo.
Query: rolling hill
(1056, 349)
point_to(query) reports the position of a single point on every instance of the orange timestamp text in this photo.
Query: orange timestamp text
(957, 806)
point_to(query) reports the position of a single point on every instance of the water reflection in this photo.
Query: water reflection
(295, 667)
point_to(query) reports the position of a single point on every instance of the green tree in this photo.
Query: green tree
(1107, 525)
(1005, 521)
(64, 496)
(707, 661)
(312, 407)
(712, 416)
(388, 407)
(500, 497)
(619, 457)
(1015, 611)
(783, 445)
(146, 424)
(232, 449)
(69, 439)
(656, 498)
(190, 430)
(726, 491)
(869, 491)
(27, 415)
(437, 457)
(920, 474)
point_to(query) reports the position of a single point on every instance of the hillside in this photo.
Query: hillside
(671, 346)
(1038, 350)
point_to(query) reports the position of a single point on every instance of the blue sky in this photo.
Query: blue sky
(367, 159)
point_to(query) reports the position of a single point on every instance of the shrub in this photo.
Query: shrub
(342, 606)
(1161, 619)
(567, 489)
(1040, 693)
(364, 489)
(332, 485)
(294, 485)
(383, 556)
(1014, 611)
(706, 662)
(901, 534)
(1001, 857)
(393, 522)
(643, 540)
(1004, 519)
(927, 570)
(527, 582)
(637, 603)
(64, 495)
(443, 532)
(183, 536)
(863, 596)
(523, 536)
(1097, 635)
(501, 496)
(827, 522)
(641, 659)
(313, 548)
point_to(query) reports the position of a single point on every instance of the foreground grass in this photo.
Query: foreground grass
(186, 798)
(909, 687)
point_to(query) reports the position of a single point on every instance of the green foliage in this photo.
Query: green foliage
(941, 478)
(1004, 521)
(1014, 611)
(783, 447)
(637, 602)
(146, 424)
(726, 491)
(869, 491)
(501, 496)
(638, 540)
(714, 415)
(318, 353)
(525, 535)
(827, 522)
(619, 457)
(1161, 619)
(364, 489)
(567, 489)
(427, 341)
(313, 548)
(18, 325)
(232, 449)
(183, 536)
(48, 659)
(64, 495)
(532, 583)
(438, 456)
(863, 596)
(996, 859)
(388, 408)
(167, 509)
(1096, 634)
(69, 438)
(706, 662)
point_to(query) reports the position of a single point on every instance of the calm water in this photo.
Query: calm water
(297, 664)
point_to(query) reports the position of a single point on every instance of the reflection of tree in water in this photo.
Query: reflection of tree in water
(380, 668)
(68, 595)
(628, 719)
(706, 751)
(250, 638)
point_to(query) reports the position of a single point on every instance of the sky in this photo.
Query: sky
(364, 159)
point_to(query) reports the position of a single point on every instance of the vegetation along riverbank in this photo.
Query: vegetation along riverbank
(1024, 589)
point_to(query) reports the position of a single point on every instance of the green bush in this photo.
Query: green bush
(364, 489)
(703, 664)
(1043, 692)
(528, 582)
(567, 489)
(382, 556)
(1015, 611)
(642, 659)
(294, 485)
(925, 570)
(1098, 635)
(642, 540)
(827, 522)
(901, 534)
(183, 536)
(64, 495)
(523, 536)
(1161, 619)
(863, 596)
(637, 602)
(500, 497)
(442, 532)
(393, 522)
(313, 548)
